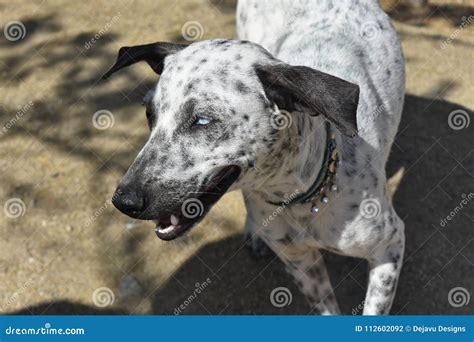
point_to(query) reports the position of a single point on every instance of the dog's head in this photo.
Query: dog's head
(210, 118)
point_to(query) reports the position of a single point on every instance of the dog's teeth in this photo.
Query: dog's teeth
(174, 220)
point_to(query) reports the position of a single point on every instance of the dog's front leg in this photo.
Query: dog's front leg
(257, 247)
(265, 223)
(385, 266)
(309, 271)
(254, 224)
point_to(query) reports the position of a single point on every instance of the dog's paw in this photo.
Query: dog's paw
(257, 247)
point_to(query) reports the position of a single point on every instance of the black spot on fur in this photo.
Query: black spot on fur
(286, 240)
(164, 106)
(349, 172)
(188, 88)
(241, 87)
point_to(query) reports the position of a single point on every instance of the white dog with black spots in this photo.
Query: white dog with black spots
(299, 114)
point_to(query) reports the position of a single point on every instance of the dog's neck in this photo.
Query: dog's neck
(295, 160)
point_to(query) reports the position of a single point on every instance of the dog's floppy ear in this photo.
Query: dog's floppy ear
(154, 54)
(303, 89)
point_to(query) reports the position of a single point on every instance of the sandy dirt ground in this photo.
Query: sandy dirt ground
(64, 249)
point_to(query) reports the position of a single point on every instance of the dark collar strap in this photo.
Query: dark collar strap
(309, 194)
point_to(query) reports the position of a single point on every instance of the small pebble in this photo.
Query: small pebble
(131, 224)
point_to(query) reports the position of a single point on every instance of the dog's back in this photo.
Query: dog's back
(352, 40)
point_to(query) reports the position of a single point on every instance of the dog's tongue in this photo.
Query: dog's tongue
(165, 233)
(165, 230)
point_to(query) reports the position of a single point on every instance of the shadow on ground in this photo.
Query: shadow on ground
(438, 166)
(406, 12)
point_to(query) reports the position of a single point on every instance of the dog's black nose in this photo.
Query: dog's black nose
(128, 201)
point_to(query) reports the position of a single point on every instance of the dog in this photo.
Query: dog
(299, 114)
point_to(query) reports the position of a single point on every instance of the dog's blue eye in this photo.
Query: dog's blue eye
(202, 121)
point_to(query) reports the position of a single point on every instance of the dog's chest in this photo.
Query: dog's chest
(338, 226)
(302, 233)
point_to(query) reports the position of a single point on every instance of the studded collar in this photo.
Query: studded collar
(324, 181)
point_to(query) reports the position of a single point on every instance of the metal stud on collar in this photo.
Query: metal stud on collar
(328, 183)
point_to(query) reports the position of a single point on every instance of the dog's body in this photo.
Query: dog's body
(330, 36)
(211, 131)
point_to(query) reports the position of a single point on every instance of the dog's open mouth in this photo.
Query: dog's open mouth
(193, 209)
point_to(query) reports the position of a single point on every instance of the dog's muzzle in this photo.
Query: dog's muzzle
(174, 221)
